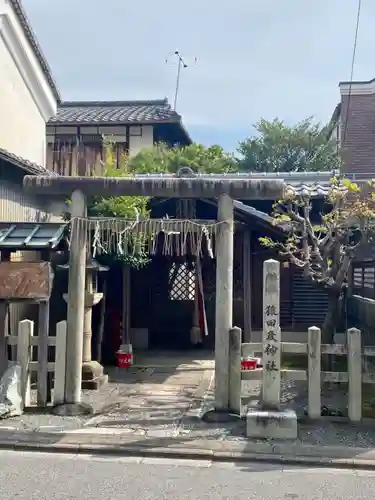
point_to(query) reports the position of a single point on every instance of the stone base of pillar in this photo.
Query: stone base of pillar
(72, 409)
(261, 424)
(93, 376)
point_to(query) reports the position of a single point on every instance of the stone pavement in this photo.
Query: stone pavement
(151, 398)
(156, 408)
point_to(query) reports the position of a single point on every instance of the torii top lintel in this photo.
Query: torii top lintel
(159, 187)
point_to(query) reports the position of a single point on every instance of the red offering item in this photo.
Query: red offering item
(251, 363)
(124, 359)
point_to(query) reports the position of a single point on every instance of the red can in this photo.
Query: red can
(124, 359)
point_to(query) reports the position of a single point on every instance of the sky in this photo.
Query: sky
(254, 58)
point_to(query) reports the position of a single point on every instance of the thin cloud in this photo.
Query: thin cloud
(255, 58)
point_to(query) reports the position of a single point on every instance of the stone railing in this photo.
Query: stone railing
(271, 419)
(314, 375)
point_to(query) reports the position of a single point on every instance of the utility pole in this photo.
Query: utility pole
(181, 64)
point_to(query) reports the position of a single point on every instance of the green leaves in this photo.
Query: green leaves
(267, 242)
(278, 147)
(161, 159)
(158, 159)
(323, 244)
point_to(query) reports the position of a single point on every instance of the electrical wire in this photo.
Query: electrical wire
(352, 70)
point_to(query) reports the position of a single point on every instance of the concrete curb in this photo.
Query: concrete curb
(316, 456)
(191, 454)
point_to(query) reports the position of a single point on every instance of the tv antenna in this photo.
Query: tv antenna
(181, 64)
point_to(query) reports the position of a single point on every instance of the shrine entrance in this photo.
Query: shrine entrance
(186, 184)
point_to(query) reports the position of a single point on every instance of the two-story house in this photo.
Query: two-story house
(76, 133)
(28, 99)
(29, 96)
(353, 126)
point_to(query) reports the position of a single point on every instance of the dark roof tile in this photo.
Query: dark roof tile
(28, 166)
(115, 112)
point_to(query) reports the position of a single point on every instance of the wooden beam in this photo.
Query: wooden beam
(125, 304)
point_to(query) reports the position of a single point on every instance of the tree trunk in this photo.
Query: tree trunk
(330, 324)
(332, 317)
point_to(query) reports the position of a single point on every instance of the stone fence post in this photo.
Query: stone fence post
(60, 364)
(25, 332)
(354, 375)
(271, 335)
(314, 369)
(235, 340)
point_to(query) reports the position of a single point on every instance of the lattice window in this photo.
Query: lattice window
(182, 282)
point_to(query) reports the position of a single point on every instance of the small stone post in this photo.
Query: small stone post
(271, 335)
(43, 332)
(224, 300)
(76, 307)
(235, 340)
(60, 363)
(314, 369)
(355, 375)
(25, 332)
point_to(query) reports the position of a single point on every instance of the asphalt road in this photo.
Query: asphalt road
(34, 476)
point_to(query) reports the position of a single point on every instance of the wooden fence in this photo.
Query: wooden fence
(26, 342)
(313, 375)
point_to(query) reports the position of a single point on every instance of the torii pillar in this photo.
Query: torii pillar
(224, 299)
(224, 188)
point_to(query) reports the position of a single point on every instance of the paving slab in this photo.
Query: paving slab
(141, 400)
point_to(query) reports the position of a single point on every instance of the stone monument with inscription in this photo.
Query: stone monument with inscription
(270, 421)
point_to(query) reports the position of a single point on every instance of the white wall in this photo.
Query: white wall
(26, 99)
(140, 138)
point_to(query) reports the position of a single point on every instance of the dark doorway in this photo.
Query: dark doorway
(172, 303)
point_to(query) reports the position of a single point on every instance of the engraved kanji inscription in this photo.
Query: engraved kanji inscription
(271, 366)
(271, 310)
(271, 336)
(271, 323)
(271, 349)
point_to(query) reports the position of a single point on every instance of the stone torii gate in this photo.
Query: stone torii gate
(224, 188)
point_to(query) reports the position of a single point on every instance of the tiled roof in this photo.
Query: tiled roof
(248, 210)
(30, 35)
(314, 184)
(312, 189)
(30, 235)
(28, 166)
(115, 112)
